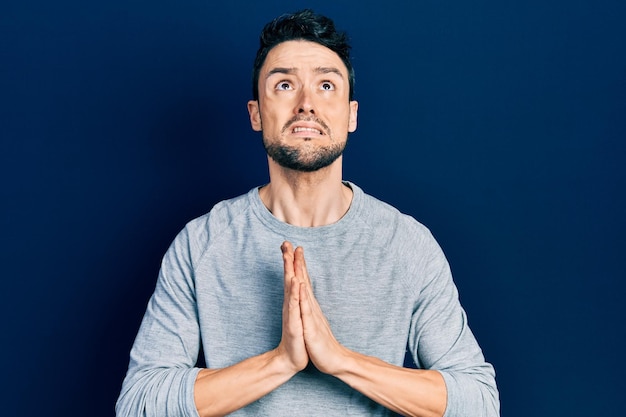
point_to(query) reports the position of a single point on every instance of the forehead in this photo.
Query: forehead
(302, 55)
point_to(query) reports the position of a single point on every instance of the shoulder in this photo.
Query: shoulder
(391, 223)
(199, 232)
(221, 215)
(405, 240)
(399, 233)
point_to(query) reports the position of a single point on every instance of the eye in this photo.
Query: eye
(327, 86)
(284, 86)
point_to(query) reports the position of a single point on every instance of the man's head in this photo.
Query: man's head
(303, 102)
(302, 25)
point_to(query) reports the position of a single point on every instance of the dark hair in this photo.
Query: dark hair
(302, 25)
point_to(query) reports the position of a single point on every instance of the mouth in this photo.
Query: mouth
(307, 130)
(307, 127)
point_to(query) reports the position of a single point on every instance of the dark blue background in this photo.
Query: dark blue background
(498, 124)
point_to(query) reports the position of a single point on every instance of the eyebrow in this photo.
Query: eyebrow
(280, 70)
(328, 70)
(318, 70)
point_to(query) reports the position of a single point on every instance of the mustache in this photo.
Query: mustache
(298, 118)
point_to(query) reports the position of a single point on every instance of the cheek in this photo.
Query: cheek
(275, 108)
(340, 115)
(272, 121)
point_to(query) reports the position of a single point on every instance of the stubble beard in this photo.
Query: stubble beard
(303, 160)
(306, 157)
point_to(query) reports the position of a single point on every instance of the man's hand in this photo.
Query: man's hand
(321, 346)
(292, 345)
(415, 392)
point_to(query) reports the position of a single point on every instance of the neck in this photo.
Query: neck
(306, 199)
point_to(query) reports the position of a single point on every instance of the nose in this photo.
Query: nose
(305, 103)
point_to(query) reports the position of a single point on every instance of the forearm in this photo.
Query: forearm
(219, 392)
(410, 392)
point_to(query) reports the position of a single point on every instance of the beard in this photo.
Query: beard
(302, 159)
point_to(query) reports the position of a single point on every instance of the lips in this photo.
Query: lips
(306, 125)
(299, 129)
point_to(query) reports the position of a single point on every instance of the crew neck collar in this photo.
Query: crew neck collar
(308, 233)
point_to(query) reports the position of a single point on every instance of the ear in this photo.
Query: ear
(352, 121)
(255, 115)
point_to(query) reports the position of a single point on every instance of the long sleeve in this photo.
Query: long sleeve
(441, 339)
(161, 374)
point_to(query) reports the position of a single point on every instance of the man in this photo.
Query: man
(325, 335)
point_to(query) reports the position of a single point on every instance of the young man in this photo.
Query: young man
(323, 336)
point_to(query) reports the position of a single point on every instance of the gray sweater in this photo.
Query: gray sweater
(379, 276)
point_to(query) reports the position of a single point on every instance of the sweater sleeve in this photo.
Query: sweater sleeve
(161, 375)
(441, 339)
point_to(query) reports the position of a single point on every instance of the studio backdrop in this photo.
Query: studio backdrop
(500, 125)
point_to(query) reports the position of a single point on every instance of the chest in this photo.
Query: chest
(363, 294)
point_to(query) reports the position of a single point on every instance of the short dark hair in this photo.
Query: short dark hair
(302, 25)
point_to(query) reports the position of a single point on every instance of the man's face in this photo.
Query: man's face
(303, 109)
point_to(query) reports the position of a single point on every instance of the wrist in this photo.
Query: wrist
(341, 363)
(281, 361)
